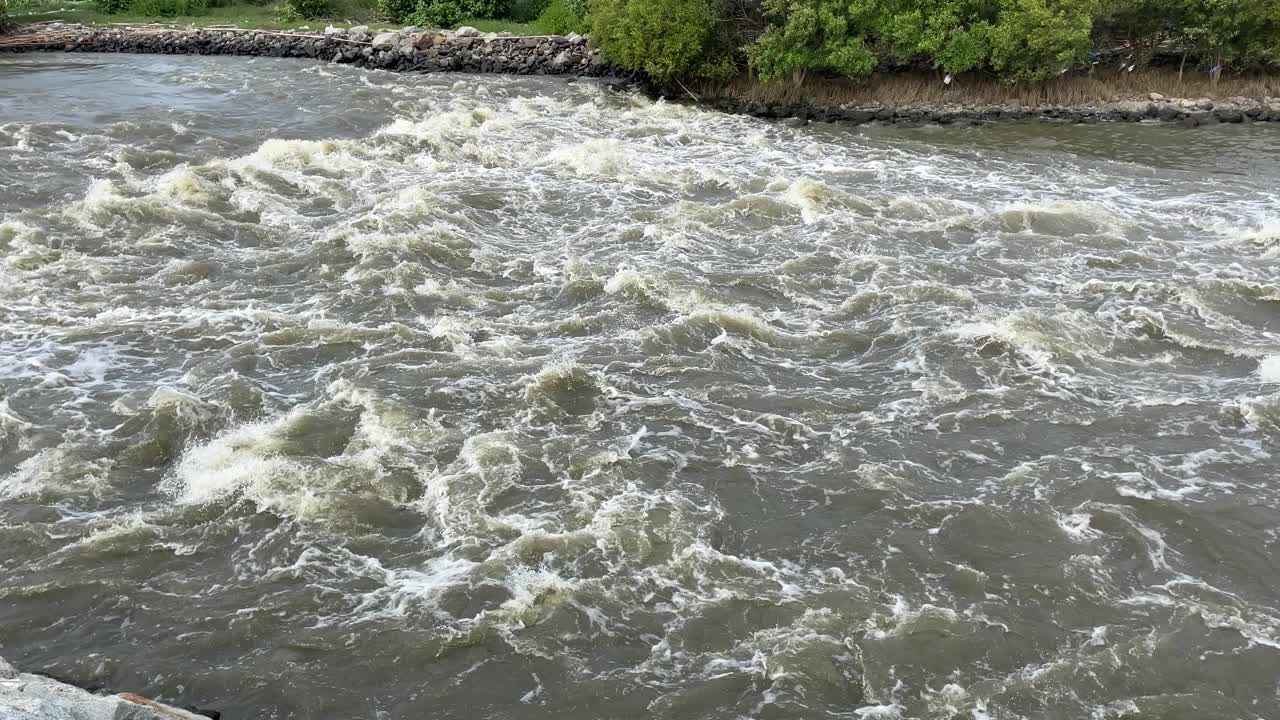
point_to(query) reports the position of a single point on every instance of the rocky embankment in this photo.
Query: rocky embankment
(407, 50)
(26, 696)
(1155, 107)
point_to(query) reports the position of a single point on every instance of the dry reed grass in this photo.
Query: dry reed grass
(908, 89)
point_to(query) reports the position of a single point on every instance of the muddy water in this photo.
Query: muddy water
(328, 393)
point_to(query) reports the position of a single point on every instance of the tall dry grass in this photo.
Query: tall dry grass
(907, 89)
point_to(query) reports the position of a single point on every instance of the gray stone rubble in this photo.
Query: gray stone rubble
(407, 50)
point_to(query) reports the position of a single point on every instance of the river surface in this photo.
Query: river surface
(335, 393)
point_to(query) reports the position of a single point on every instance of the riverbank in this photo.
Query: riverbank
(896, 100)
(1187, 112)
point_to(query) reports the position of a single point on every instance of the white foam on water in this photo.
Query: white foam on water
(1269, 369)
(57, 472)
(607, 158)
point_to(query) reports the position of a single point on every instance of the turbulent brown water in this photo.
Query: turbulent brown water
(328, 393)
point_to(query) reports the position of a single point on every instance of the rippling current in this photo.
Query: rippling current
(330, 393)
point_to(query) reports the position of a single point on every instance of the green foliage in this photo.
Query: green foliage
(906, 28)
(1036, 39)
(168, 8)
(291, 10)
(812, 35)
(438, 13)
(1232, 31)
(396, 10)
(1017, 39)
(560, 19)
(304, 9)
(4, 15)
(663, 38)
(110, 7)
(966, 49)
(450, 13)
(527, 10)
(1217, 32)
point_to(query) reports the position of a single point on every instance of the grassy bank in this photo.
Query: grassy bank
(241, 15)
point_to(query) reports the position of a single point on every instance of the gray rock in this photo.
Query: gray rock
(24, 696)
(575, 39)
(332, 31)
(466, 31)
(560, 60)
(386, 40)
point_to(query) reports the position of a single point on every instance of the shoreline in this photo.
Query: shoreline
(468, 50)
(1156, 109)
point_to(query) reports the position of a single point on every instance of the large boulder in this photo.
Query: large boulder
(24, 696)
(561, 60)
(385, 40)
(466, 31)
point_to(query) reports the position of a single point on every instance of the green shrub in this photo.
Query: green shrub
(1037, 39)
(438, 13)
(663, 38)
(110, 7)
(811, 35)
(524, 11)
(1231, 31)
(560, 19)
(396, 10)
(450, 13)
(966, 49)
(291, 10)
(168, 8)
